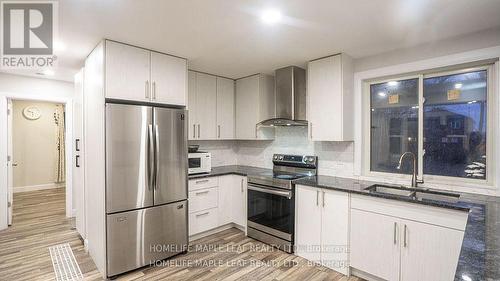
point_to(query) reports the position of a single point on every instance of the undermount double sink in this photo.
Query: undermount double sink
(414, 193)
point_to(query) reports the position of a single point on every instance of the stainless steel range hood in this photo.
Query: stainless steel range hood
(290, 90)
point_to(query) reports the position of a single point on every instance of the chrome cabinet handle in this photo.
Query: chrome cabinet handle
(201, 181)
(395, 232)
(311, 130)
(202, 192)
(242, 185)
(317, 197)
(194, 131)
(14, 164)
(202, 214)
(157, 157)
(404, 242)
(77, 161)
(323, 199)
(147, 89)
(218, 131)
(199, 130)
(154, 90)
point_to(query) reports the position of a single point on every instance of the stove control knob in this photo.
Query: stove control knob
(281, 157)
(275, 157)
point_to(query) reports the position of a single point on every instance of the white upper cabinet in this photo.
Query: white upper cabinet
(255, 102)
(127, 72)
(330, 99)
(168, 79)
(206, 104)
(225, 108)
(138, 74)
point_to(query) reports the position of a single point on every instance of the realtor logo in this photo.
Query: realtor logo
(28, 32)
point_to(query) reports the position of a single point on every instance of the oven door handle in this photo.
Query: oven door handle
(287, 194)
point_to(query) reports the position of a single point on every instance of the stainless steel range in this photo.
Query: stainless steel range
(271, 200)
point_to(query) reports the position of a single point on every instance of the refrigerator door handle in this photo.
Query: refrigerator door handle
(157, 156)
(151, 157)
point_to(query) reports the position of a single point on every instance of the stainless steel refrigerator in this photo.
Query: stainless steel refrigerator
(146, 185)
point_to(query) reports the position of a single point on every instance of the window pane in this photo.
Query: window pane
(455, 125)
(394, 124)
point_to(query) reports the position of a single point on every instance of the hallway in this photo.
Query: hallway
(39, 222)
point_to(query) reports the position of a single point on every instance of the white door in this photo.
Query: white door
(225, 108)
(308, 223)
(127, 72)
(247, 107)
(168, 78)
(10, 164)
(335, 231)
(191, 106)
(78, 170)
(206, 104)
(324, 94)
(375, 244)
(430, 252)
(225, 199)
(239, 199)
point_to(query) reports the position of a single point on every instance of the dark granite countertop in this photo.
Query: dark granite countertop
(480, 253)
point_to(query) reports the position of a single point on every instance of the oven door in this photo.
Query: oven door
(271, 210)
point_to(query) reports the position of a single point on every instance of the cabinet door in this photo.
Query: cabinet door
(127, 72)
(430, 252)
(375, 244)
(325, 99)
(192, 105)
(225, 108)
(168, 78)
(206, 106)
(335, 231)
(247, 107)
(308, 223)
(225, 199)
(239, 199)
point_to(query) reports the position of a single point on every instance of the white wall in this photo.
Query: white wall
(454, 45)
(24, 85)
(34, 145)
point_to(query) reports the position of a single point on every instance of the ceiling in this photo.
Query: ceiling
(228, 38)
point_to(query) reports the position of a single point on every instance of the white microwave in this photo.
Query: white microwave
(199, 162)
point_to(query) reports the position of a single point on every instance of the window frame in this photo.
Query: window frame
(491, 130)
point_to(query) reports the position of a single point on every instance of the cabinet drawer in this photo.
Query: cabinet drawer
(203, 199)
(195, 184)
(202, 221)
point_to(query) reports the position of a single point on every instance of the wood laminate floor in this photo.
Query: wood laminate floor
(39, 222)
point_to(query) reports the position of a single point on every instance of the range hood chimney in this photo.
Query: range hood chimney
(290, 90)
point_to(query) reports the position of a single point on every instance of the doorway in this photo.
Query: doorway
(36, 147)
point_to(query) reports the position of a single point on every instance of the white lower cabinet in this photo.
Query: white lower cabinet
(217, 201)
(232, 200)
(399, 247)
(321, 227)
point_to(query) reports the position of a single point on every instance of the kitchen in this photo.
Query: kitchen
(312, 161)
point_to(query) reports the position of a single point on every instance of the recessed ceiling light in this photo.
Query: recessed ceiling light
(458, 85)
(382, 94)
(271, 16)
(48, 72)
(392, 83)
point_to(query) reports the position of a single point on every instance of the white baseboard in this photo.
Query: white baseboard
(18, 189)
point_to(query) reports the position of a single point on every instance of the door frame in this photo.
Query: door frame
(68, 105)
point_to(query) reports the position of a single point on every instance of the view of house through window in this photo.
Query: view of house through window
(454, 124)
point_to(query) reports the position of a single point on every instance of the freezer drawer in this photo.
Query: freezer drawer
(141, 237)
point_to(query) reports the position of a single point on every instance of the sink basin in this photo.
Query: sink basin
(415, 193)
(393, 190)
(437, 196)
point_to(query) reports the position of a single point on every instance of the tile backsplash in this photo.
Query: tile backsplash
(335, 158)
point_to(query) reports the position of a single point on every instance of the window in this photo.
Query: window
(442, 118)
